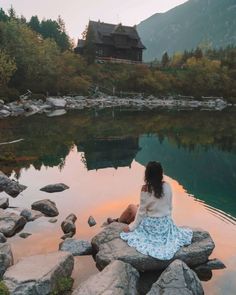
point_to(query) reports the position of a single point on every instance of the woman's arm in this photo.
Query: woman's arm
(141, 210)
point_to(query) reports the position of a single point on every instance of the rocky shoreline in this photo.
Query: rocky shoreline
(55, 106)
(121, 267)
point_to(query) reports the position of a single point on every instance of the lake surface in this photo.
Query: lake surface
(101, 155)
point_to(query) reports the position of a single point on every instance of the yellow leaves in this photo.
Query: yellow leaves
(203, 64)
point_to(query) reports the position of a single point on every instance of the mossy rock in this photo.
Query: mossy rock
(64, 285)
(3, 289)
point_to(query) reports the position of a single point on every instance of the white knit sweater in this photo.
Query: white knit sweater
(150, 206)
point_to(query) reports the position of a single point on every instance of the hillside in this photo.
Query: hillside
(188, 25)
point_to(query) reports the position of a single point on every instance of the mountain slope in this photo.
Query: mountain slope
(188, 25)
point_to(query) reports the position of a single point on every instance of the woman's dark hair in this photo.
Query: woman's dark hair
(154, 178)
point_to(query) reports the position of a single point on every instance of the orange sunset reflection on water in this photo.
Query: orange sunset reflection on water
(106, 192)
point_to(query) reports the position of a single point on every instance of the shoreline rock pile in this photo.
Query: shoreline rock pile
(56, 106)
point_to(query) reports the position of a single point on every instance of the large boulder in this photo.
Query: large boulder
(47, 207)
(39, 274)
(10, 223)
(11, 187)
(57, 103)
(110, 247)
(54, 188)
(76, 247)
(118, 278)
(177, 279)
(6, 258)
(4, 203)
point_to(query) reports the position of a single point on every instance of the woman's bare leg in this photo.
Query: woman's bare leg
(129, 214)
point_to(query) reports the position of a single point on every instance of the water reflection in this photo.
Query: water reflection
(196, 148)
(109, 152)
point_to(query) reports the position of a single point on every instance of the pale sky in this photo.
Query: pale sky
(76, 13)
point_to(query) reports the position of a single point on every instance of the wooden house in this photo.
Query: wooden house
(112, 42)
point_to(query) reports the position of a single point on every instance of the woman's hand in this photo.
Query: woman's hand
(126, 229)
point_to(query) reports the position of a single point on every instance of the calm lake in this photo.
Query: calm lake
(101, 155)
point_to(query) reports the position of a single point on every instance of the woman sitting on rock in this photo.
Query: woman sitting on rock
(152, 231)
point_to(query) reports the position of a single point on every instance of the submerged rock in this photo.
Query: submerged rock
(10, 223)
(91, 221)
(76, 247)
(47, 207)
(30, 215)
(11, 187)
(117, 278)
(4, 203)
(177, 279)
(24, 235)
(6, 258)
(41, 279)
(52, 220)
(54, 188)
(110, 247)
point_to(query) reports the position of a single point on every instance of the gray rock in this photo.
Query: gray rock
(24, 235)
(43, 277)
(68, 225)
(17, 110)
(177, 279)
(30, 215)
(46, 206)
(71, 217)
(204, 271)
(4, 203)
(53, 188)
(110, 247)
(215, 264)
(118, 278)
(58, 103)
(10, 223)
(52, 220)
(76, 247)
(4, 113)
(2, 238)
(6, 258)
(11, 187)
(91, 221)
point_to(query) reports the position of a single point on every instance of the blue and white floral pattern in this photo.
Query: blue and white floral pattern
(158, 237)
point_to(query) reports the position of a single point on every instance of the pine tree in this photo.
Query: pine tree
(165, 60)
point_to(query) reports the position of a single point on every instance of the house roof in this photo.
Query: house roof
(104, 32)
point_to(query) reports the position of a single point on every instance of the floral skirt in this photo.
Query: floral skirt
(158, 237)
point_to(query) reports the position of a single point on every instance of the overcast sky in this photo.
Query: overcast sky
(76, 13)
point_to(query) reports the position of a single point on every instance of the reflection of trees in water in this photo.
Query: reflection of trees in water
(207, 173)
(47, 141)
(109, 152)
